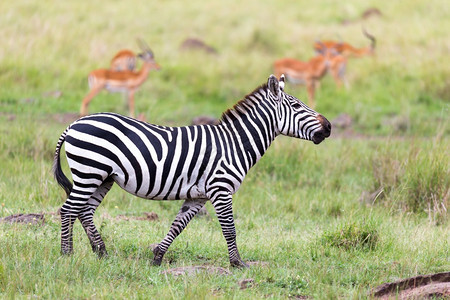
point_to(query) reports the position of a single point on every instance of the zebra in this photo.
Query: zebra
(196, 163)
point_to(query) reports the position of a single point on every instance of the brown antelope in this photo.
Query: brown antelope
(120, 81)
(339, 65)
(346, 49)
(124, 60)
(309, 72)
(337, 68)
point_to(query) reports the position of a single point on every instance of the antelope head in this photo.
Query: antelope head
(147, 54)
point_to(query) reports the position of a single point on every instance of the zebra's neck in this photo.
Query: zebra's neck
(251, 126)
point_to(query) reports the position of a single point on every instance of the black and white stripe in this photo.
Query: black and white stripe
(193, 163)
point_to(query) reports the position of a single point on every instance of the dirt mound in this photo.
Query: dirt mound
(434, 286)
(35, 219)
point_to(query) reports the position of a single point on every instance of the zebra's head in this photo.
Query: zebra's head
(294, 118)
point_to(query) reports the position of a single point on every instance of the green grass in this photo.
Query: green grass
(300, 209)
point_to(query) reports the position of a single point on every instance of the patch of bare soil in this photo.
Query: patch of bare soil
(432, 286)
(193, 270)
(35, 219)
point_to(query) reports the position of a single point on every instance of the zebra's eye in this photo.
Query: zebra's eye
(296, 105)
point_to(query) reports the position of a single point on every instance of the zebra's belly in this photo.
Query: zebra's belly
(178, 190)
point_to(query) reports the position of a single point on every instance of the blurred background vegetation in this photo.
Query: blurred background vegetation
(49, 47)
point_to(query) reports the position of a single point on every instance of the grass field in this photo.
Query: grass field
(303, 213)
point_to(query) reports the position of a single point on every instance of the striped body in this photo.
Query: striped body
(191, 163)
(141, 157)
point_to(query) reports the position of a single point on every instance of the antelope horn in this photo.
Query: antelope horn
(143, 45)
(371, 38)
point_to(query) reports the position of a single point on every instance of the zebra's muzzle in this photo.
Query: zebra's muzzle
(324, 132)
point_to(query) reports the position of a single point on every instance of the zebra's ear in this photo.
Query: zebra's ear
(281, 82)
(273, 85)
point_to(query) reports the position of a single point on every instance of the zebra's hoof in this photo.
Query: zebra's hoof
(102, 254)
(100, 250)
(66, 252)
(239, 264)
(157, 262)
(158, 255)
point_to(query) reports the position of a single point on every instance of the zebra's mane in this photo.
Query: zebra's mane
(239, 107)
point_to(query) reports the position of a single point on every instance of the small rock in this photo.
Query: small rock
(151, 216)
(246, 283)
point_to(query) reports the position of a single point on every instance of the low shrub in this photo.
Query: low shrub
(417, 181)
(351, 236)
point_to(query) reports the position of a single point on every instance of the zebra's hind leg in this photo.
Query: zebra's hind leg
(68, 217)
(224, 210)
(87, 214)
(187, 211)
(69, 213)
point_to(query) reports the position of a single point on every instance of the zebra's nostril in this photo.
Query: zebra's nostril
(326, 125)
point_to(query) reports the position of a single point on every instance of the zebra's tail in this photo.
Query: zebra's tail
(62, 180)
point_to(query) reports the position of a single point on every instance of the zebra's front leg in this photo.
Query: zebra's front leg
(224, 211)
(187, 211)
